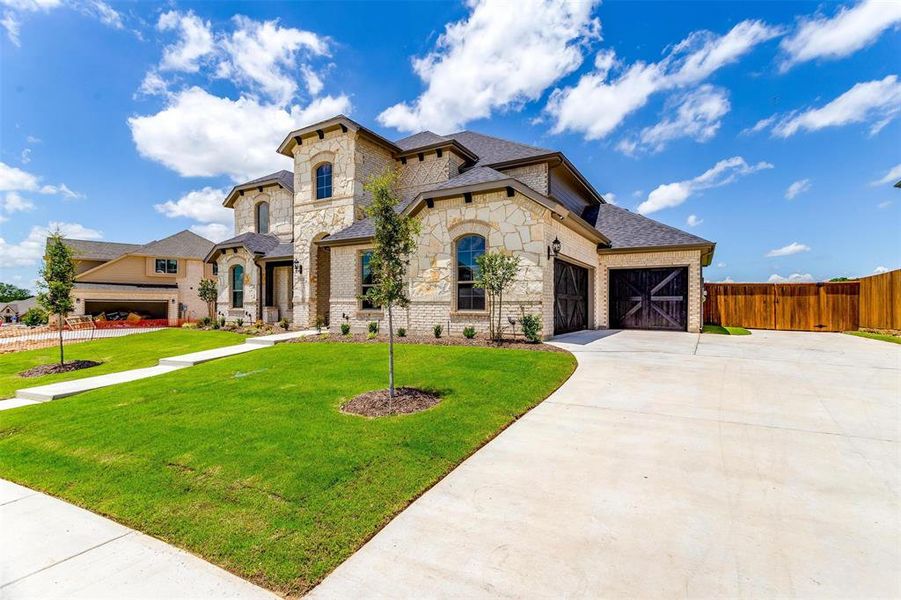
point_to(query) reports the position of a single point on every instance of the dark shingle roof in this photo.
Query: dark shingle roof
(283, 178)
(492, 150)
(418, 140)
(92, 250)
(184, 244)
(626, 229)
(255, 243)
(470, 177)
(283, 250)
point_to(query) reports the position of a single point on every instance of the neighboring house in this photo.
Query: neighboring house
(11, 312)
(302, 238)
(158, 280)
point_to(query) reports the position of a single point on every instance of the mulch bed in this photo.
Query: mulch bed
(406, 400)
(73, 365)
(478, 342)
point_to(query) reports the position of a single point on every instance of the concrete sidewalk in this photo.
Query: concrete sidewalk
(54, 391)
(51, 549)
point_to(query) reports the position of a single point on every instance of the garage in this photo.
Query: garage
(147, 309)
(649, 298)
(570, 297)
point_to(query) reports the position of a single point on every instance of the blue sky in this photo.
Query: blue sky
(770, 128)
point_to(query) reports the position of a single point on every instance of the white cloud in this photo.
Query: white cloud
(891, 178)
(720, 265)
(14, 202)
(105, 13)
(264, 54)
(25, 156)
(204, 205)
(195, 41)
(880, 270)
(793, 278)
(722, 173)
(201, 135)
(726, 279)
(693, 220)
(696, 114)
(876, 102)
(793, 248)
(798, 187)
(847, 32)
(497, 58)
(30, 250)
(596, 105)
(884, 204)
(215, 232)
(610, 197)
(14, 180)
(13, 11)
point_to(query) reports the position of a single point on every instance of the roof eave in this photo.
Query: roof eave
(706, 248)
(470, 156)
(340, 121)
(244, 187)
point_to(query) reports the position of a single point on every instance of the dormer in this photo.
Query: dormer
(264, 205)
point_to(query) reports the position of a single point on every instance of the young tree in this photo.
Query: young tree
(395, 240)
(497, 271)
(208, 292)
(11, 293)
(58, 274)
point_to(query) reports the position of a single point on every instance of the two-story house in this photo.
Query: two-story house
(302, 241)
(157, 280)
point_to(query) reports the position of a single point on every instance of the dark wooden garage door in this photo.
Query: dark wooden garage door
(570, 297)
(649, 298)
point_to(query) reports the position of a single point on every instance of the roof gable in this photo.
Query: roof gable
(102, 251)
(184, 244)
(282, 178)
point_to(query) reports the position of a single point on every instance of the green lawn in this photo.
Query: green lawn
(720, 330)
(117, 354)
(248, 462)
(882, 337)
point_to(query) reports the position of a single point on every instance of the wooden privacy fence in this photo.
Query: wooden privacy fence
(872, 302)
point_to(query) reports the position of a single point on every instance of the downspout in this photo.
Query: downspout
(261, 290)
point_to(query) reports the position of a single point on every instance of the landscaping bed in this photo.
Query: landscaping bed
(378, 403)
(431, 340)
(250, 463)
(53, 369)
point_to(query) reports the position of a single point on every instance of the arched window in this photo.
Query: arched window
(324, 181)
(262, 217)
(469, 297)
(237, 285)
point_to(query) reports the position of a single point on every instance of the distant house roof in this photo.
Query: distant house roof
(19, 307)
(281, 178)
(184, 244)
(93, 250)
(264, 245)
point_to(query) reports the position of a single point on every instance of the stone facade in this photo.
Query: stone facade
(224, 307)
(281, 211)
(535, 176)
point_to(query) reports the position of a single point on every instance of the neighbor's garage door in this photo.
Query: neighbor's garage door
(649, 298)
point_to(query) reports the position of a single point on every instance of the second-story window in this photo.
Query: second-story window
(166, 266)
(324, 181)
(262, 217)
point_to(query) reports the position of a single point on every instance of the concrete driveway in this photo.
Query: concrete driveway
(670, 464)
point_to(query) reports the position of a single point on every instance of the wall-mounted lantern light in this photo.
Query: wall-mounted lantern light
(554, 248)
(298, 268)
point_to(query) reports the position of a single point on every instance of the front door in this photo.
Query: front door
(570, 297)
(649, 298)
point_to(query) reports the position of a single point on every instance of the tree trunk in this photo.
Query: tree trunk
(59, 324)
(390, 357)
(500, 325)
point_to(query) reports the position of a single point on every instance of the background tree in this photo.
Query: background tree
(497, 271)
(208, 292)
(11, 293)
(58, 278)
(395, 240)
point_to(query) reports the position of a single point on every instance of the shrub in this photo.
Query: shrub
(319, 323)
(345, 328)
(205, 322)
(35, 316)
(371, 335)
(531, 327)
(283, 324)
(469, 332)
(240, 322)
(221, 321)
(437, 329)
(189, 325)
(374, 327)
(401, 332)
(215, 325)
